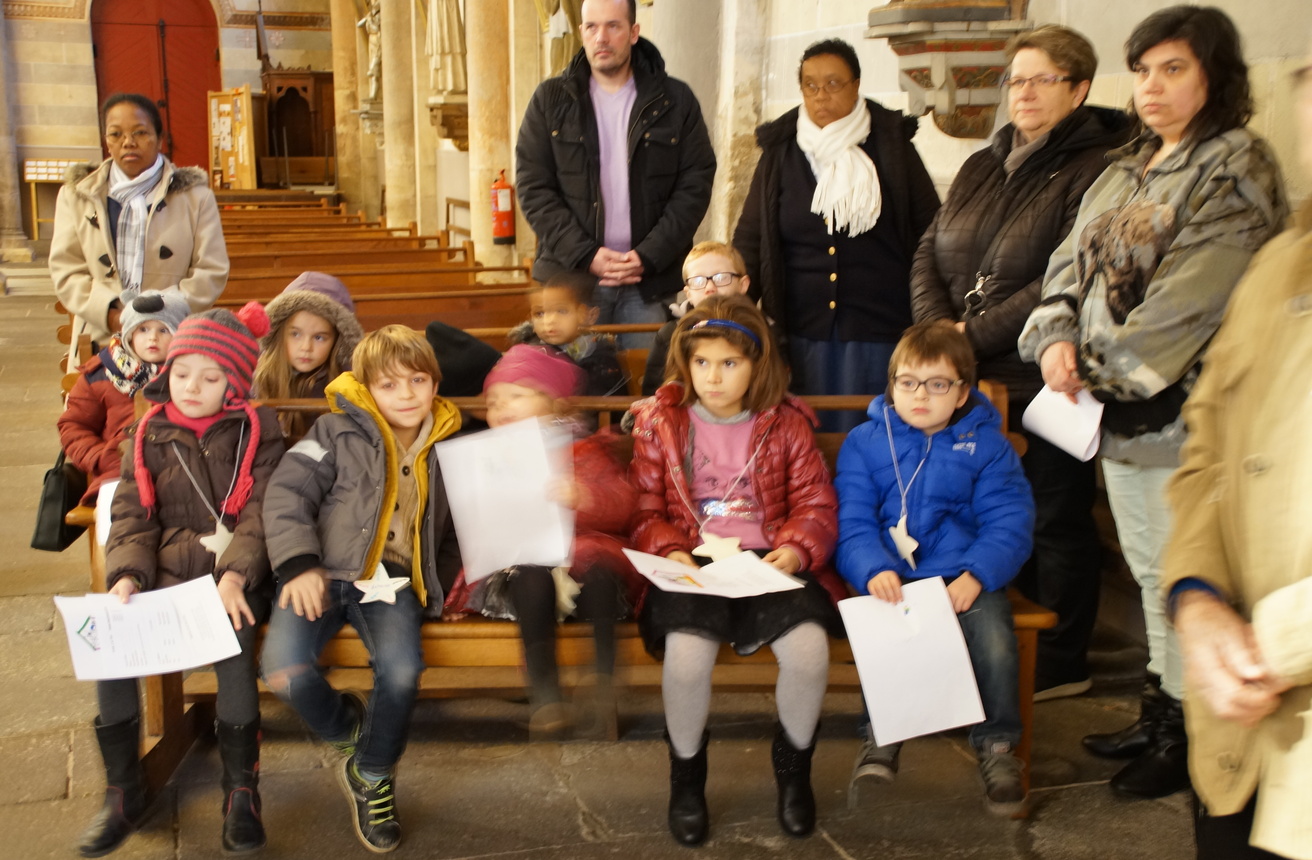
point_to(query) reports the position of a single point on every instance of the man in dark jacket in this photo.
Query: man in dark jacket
(614, 168)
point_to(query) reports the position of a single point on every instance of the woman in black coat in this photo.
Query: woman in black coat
(981, 264)
(838, 202)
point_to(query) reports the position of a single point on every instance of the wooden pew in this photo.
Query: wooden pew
(304, 243)
(483, 657)
(294, 259)
(362, 279)
(327, 231)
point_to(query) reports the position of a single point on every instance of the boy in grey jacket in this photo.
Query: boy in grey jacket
(360, 532)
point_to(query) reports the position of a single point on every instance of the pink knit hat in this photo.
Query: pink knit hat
(231, 340)
(541, 368)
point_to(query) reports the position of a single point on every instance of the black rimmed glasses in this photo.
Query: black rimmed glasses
(831, 86)
(702, 283)
(1040, 82)
(937, 386)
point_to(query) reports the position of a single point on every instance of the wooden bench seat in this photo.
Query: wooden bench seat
(374, 277)
(476, 656)
(331, 259)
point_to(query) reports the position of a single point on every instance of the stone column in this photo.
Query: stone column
(742, 54)
(487, 29)
(346, 82)
(427, 202)
(526, 72)
(399, 111)
(14, 247)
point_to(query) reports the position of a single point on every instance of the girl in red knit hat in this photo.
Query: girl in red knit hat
(189, 505)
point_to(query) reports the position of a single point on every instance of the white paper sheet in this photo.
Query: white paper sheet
(1072, 427)
(915, 671)
(155, 632)
(104, 502)
(496, 482)
(742, 575)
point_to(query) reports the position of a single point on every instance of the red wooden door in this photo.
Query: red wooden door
(167, 50)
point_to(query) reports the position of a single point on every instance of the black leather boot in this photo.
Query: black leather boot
(239, 749)
(125, 789)
(1132, 740)
(1163, 768)
(792, 773)
(689, 819)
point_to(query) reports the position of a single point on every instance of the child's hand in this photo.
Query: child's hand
(232, 591)
(962, 591)
(887, 586)
(306, 594)
(124, 588)
(785, 559)
(566, 493)
(681, 556)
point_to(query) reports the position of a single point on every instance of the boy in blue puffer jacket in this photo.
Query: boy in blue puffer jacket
(930, 486)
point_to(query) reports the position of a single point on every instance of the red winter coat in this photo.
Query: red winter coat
(601, 521)
(92, 426)
(790, 479)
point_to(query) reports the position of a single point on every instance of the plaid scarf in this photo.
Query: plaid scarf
(127, 372)
(131, 235)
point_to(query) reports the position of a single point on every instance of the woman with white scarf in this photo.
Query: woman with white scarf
(135, 223)
(836, 208)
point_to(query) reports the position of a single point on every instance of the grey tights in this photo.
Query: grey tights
(803, 655)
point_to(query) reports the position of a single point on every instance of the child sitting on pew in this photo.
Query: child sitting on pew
(722, 453)
(100, 407)
(360, 532)
(312, 332)
(560, 312)
(194, 478)
(710, 269)
(930, 486)
(533, 382)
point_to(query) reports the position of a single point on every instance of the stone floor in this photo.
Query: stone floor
(470, 785)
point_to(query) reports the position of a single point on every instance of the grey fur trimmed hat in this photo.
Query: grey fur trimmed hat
(324, 296)
(167, 306)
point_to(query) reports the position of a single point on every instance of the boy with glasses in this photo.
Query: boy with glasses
(710, 269)
(930, 486)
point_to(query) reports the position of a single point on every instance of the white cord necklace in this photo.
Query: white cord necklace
(218, 542)
(905, 543)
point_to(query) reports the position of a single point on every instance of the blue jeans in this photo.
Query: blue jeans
(991, 641)
(290, 665)
(626, 305)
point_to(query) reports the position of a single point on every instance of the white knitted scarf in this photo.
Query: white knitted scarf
(847, 186)
(130, 240)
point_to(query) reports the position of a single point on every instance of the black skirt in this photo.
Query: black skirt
(746, 623)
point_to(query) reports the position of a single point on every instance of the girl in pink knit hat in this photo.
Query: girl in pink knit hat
(189, 505)
(535, 382)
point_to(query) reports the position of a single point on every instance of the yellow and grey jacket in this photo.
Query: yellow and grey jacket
(331, 498)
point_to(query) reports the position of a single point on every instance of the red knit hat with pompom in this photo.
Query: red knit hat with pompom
(232, 340)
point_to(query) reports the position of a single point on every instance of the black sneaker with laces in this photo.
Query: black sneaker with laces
(374, 806)
(1002, 773)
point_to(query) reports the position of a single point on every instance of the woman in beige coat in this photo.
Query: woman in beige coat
(1239, 564)
(135, 223)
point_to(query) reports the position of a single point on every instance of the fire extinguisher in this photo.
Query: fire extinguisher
(503, 211)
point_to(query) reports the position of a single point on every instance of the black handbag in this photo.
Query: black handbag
(61, 491)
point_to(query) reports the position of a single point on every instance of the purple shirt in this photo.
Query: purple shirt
(721, 488)
(613, 111)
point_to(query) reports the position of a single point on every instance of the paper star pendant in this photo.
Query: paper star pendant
(217, 543)
(717, 548)
(380, 587)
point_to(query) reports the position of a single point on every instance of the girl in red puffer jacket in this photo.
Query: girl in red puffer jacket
(724, 452)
